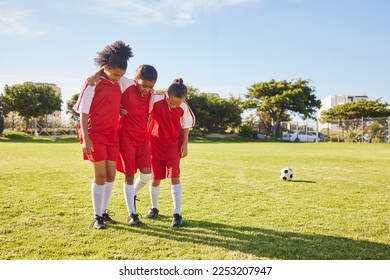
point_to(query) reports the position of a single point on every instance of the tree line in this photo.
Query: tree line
(272, 102)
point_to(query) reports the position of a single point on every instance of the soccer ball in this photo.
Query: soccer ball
(286, 174)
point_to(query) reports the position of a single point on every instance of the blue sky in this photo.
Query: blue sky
(218, 46)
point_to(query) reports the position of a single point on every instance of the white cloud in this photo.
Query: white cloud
(167, 12)
(12, 23)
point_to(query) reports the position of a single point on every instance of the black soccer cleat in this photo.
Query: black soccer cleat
(98, 223)
(177, 220)
(152, 214)
(106, 217)
(134, 220)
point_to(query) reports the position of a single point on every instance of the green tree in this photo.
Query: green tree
(213, 113)
(199, 104)
(69, 107)
(355, 110)
(276, 100)
(31, 101)
(3, 112)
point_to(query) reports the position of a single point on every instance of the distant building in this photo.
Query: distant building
(331, 101)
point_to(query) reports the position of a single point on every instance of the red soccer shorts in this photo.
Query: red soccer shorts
(165, 168)
(133, 157)
(103, 152)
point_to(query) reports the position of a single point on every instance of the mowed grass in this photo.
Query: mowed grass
(234, 205)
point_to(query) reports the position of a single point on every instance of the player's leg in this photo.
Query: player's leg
(173, 168)
(154, 190)
(176, 190)
(112, 152)
(143, 179)
(142, 158)
(107, 193)
(144, 165)
(127, 155)
(97, 189)
(158, 174)
(128, 190)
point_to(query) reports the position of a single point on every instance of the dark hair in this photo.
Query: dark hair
(114, 55)
(146, 72)
(177, 89)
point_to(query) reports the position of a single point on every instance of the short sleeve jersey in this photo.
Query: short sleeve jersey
(165, 127)
(133, 126)
(101, 103)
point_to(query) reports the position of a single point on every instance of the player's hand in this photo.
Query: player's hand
(87, 146)
(183, 150)
(95, 78)
(122, 112)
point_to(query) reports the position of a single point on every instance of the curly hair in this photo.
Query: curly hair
(146, 72)
(177, 88)
(114, 55)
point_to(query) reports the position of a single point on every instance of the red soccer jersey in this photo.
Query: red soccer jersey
(132, 126)
(101, 103)
(165, 127)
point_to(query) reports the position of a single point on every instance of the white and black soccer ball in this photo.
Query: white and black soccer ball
(286, 174)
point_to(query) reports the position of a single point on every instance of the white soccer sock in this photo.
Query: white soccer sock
(176, 197)
(154, 192)
(107, 191)
(97, 198)
(141, 181)
(128, 191)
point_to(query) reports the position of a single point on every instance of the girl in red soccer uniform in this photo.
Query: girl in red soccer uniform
(134, 152)
(168, 128)
(98, 107)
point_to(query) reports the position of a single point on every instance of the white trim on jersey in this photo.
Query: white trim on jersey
(84, 101)
(155, 98)
(125, 83)
(188, 118)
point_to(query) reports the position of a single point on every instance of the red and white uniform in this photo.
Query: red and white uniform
(132, 129)
(101, 103)
(132, 126)
(165, 126)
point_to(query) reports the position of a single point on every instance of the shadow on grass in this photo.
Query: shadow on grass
(303, 181)
(265, 243)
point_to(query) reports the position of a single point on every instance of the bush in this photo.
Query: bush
(351, 136)
(245, 131)
(16, 135)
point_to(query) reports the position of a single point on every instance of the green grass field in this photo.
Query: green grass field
(234, 205)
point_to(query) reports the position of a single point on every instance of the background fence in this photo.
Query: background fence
(48, 126)
(363, 130)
